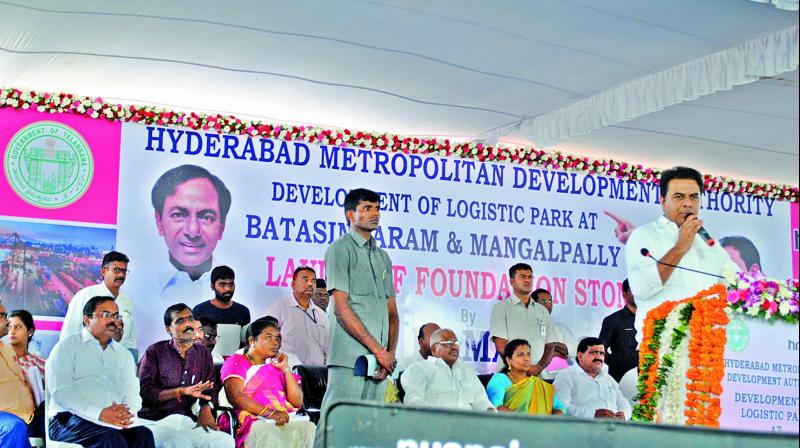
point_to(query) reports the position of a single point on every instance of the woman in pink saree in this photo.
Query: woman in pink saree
(262, 389)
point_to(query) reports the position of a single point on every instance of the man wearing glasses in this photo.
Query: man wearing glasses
(173, 375)
(565, 345)
(443, 380)
(586, 390)
(93, 386)
(304, 325)
(115, 272)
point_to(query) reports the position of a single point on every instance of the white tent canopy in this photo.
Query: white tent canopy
(710, 84)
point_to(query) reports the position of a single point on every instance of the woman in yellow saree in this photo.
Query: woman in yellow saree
(512, 389)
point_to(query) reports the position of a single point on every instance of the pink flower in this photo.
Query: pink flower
(734, 296)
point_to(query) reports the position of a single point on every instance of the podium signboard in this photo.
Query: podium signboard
(760, 388)
(352, 424)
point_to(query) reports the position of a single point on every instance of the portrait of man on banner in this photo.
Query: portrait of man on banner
(190, 207)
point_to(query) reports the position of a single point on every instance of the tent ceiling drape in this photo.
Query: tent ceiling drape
(604, 79)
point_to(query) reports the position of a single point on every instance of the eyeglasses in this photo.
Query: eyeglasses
(545, 300)
(448, 343)
(182, 320)
(107, 315)
(3, 315)
(120, 271)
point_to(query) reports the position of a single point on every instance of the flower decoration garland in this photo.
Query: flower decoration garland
(754, 294)
(228, 124)
(703, 315)
(673, 359)
(706, 359)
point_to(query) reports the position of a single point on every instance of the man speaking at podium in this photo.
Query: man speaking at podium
(674, 257)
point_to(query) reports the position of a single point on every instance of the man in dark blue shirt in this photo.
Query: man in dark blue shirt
(223, 310)
(619, 335)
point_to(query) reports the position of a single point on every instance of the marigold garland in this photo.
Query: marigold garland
(228, 124)
(706, 316)
(706, 359)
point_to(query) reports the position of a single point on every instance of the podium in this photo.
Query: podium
(726, 357)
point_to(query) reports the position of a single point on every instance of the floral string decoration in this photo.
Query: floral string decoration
(699, 318)
(706, 358)
(754, 294)
(648, 383)
(150, 115)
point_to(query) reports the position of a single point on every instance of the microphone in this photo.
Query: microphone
(705, 236)
(646, 253)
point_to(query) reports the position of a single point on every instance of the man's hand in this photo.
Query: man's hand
(386, 359)
(547, 357)
(687, 232)
(196, 390)
(117, 415)
(560, 350)
(604, 413)
(281, 417)
(206, 419)
(380, 374)
(281, 361)
(624, 227)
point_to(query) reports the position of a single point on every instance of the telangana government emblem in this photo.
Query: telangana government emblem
(48, 164)
(738, 335)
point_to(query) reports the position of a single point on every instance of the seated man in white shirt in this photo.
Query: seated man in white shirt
(443, 380)
(93, 385)
(114, 271)
(424, 352)
(586, 390)
(304, 325)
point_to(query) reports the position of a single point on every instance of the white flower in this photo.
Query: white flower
(729, 275)
(784, 308)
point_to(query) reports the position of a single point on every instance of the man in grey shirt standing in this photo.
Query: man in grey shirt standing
(362, 313)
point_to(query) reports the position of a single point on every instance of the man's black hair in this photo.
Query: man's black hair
(113, 256)
(222, 273)
(679, 172)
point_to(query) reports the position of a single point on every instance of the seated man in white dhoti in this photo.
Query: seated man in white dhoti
(443, 380)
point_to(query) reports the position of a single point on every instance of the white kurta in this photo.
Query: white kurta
(73, 320)
(83, 378)
(659, 237)
(583, 395)
(433, 383)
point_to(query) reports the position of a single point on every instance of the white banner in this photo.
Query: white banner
(453, 227)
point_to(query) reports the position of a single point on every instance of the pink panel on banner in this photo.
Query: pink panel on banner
(59, 166)
(48, 325)
(795, 240)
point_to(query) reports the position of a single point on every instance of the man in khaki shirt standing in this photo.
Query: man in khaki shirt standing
(16, 400)
(362, 313)
(520, 317)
